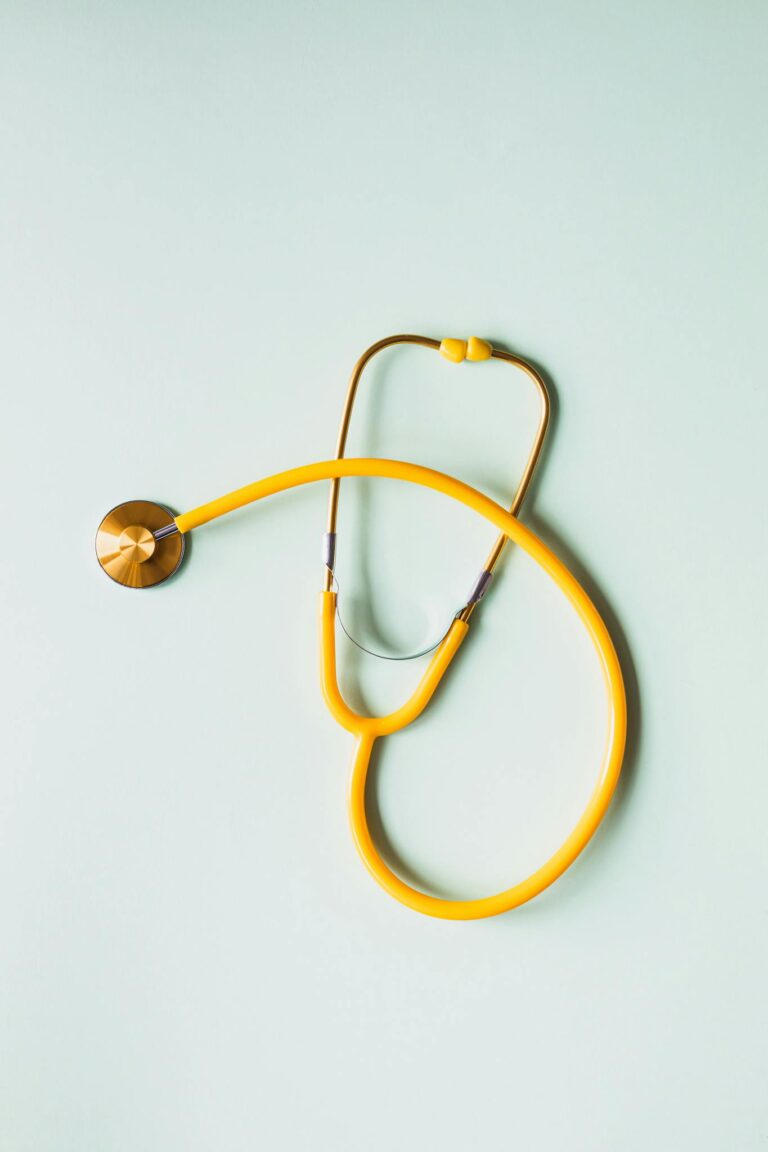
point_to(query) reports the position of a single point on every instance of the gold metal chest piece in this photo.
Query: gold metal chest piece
(138, 544)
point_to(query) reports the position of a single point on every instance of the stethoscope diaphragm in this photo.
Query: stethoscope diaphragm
(138, 544)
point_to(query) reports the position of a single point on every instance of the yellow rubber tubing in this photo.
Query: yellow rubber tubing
(367, 729)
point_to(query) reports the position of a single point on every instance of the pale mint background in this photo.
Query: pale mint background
(208, 211)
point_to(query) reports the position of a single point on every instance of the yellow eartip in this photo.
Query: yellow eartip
(478, 349)
(453, 350)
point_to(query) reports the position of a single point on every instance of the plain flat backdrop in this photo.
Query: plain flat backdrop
(208, 212)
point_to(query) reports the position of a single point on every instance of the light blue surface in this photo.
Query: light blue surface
(208, 211)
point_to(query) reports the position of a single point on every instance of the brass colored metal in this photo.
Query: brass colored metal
(126, 547)
(346, 416)
(530, 465)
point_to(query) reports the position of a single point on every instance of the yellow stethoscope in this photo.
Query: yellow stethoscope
(140, 543)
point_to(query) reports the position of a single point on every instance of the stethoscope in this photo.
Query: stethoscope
(140, 543)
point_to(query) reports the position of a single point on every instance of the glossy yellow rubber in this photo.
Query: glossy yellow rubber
(373, 726)
(453, 350)
(478, 349)
(458, 350)
(368, 728)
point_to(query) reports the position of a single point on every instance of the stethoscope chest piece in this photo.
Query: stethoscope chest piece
(138, 544)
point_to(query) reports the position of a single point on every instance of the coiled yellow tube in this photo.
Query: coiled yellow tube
(369, 728)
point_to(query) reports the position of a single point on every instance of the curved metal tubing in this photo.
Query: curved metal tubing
(530, 465)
